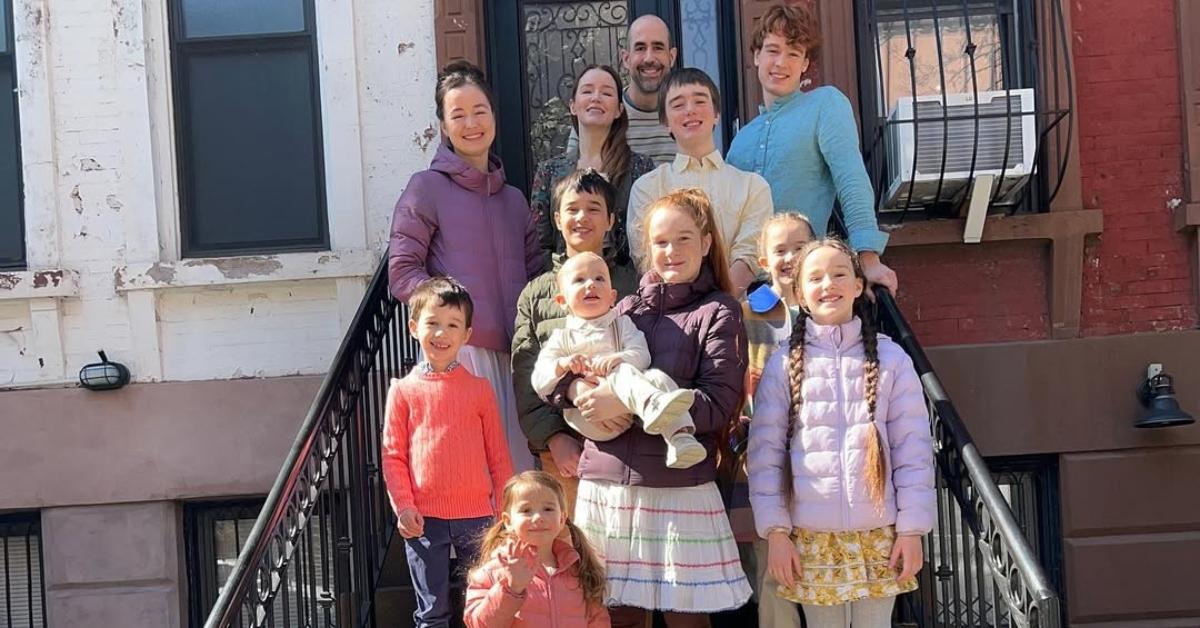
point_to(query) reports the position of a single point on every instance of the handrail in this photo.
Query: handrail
(325, 525)
(1018, 577)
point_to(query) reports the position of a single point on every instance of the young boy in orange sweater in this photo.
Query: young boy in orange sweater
(441, 422)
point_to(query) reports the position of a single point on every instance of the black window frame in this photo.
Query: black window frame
(8, 62)
(1020, 69)
(182, 46)
(199, 528)
(27, 525)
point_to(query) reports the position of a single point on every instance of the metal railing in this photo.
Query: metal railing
(22, 589)
(954, 89)
(314, 555)
(980, 569)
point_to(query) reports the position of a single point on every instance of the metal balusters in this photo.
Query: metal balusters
(315, 552)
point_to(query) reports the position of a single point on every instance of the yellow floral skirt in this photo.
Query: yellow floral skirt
(841, 567)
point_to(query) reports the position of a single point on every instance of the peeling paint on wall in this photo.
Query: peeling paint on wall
(425, 137)
(9, 281)
(405, 46)
(240, 267)
(77, 200)
(161, 273)
(113, 202)
(87, 164)
(44, 278)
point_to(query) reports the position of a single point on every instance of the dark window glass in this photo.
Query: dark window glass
(248, 132)
(12, 226)
(214, 18)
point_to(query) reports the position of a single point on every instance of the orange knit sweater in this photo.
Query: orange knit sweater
(444, 451)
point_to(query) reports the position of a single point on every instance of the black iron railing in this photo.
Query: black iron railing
(22, 590)
(314, 555)
(981, 570)
(956, 93)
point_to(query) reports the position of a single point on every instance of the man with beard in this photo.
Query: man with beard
(648, 57)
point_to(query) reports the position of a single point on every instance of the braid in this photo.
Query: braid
(796, 374)
(876, 471)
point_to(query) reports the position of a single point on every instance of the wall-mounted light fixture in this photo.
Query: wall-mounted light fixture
(103, 375)
(1157, 394)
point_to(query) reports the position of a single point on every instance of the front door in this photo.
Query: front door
(536, 48)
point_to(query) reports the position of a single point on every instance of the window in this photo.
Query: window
(215, 534)
(248, 127)
(954, 89)
(12, 227)
(22, 604)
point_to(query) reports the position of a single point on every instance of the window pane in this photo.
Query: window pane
(211, 18)
(894, 66)
(252, 154)
(20, 576)
(12, 234)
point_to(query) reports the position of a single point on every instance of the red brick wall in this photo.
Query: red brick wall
(1137, 275)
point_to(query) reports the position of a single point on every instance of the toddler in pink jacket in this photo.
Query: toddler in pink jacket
(840, 457)
(536, 569)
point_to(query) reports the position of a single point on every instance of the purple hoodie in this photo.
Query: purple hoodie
(456, 221)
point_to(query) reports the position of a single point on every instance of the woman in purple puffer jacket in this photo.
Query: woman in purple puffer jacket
(459, 219)
(664, 532)
(841, 458)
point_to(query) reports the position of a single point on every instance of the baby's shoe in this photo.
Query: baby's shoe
(664, 409)
(683, 451)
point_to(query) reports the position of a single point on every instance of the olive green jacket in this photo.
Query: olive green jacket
(538, 315)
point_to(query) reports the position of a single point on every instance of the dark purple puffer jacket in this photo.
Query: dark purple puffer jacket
(695, 335)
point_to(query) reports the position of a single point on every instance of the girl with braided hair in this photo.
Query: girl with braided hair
(840, 458)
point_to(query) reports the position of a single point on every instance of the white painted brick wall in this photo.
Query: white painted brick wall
(94, 64)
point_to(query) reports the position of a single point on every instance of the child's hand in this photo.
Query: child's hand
(412, 524)
(519, 567)
(576, 363)
(565, 451)
(783, 559)
(605, 365)
(907, 556)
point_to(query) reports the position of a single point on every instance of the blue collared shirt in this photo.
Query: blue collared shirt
(806, 147)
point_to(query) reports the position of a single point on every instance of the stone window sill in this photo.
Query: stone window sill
(227, 271)
(37, 284)
(1052, 225)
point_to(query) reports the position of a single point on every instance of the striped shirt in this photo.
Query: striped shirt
(645, 135)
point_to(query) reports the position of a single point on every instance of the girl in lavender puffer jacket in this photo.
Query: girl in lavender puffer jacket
(840, 458)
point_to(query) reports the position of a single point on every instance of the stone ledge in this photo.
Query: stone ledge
(225, 271)
(36, 284)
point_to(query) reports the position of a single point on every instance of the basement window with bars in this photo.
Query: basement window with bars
(12, 220)
(216, 532)
(22, 598)
(959, 92)
(248, 127)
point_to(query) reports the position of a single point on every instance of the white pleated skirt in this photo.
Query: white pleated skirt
(665, 549)
(495, 367)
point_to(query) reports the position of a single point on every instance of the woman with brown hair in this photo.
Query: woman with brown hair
(601, 122)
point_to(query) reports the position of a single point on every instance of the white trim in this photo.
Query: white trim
(45, 319)
(160, 112)
(341, 129)
(248, 269)
(143, 322)
(39, 163)
(136, 184)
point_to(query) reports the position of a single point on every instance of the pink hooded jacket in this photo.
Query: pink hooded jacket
(828, 450)
(549, 601)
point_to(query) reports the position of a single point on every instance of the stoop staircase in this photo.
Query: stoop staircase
(325, 552)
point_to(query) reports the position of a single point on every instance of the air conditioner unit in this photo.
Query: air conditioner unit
(915, 149)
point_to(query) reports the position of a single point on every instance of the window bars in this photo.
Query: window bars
(22, 591)
(962, 98)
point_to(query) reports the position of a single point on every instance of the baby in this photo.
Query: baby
(597, 341)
